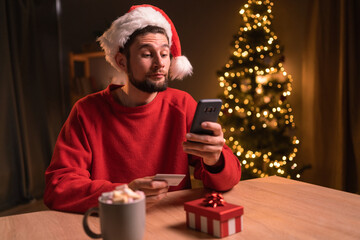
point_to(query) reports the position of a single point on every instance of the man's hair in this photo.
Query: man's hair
(139, 32)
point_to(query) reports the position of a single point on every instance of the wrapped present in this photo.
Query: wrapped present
(214, 216)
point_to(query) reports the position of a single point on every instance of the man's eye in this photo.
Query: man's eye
(164, 54)
(146, 55)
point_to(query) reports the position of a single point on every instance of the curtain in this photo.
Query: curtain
(331, 114)
(31, 106)
(351, 75)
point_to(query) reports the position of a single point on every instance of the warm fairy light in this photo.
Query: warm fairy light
(259, 106)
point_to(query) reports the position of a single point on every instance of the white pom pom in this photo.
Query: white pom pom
(180, 67)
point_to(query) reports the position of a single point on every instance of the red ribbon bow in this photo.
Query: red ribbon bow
(214, 200)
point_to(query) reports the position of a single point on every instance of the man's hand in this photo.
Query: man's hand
(153, 190)
(206, 146)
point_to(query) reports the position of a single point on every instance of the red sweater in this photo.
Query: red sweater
(103, 144)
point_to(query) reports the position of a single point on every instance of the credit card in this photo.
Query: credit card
(171, 179)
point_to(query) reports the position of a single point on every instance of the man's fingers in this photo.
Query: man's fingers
(155, 192)
(213, 126)
(144, 184)
(155, 198)
(204, 155)
(202, 147)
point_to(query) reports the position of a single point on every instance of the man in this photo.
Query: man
(128, 133)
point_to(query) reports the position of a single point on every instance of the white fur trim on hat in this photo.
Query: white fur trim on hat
(180, 67)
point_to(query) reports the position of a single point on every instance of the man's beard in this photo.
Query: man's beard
(146, 85)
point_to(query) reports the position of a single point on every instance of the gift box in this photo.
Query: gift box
(219, 219)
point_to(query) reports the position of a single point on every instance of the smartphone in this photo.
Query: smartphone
(207, 110)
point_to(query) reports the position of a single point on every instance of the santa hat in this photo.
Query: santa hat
(139, 17)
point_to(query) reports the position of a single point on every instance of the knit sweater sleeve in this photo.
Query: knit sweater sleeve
(69, 186)
(223, 180)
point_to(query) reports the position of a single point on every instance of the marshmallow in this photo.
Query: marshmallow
(121, 194)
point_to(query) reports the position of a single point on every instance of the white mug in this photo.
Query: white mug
(124, 221)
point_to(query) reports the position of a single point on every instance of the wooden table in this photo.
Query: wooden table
(275, 208)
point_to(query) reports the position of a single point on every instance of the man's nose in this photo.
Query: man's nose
(158, 61)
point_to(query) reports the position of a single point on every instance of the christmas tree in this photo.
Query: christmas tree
(257, 119)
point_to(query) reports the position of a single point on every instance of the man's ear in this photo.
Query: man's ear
(121, 61)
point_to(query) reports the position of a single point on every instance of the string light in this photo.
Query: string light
(256, 87)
